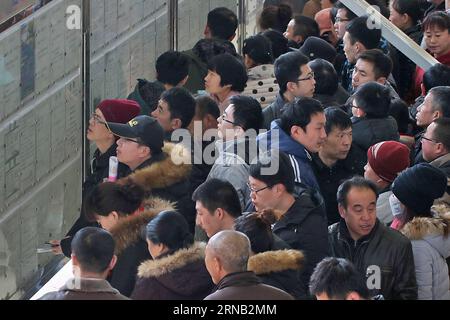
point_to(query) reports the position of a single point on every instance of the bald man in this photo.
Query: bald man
(226, 259)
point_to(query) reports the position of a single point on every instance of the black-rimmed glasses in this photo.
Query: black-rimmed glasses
(230, 122)
(255, 191)
(428, 139)
(97, 119)
(308, 77)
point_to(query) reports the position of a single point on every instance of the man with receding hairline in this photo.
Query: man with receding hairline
(226, 259)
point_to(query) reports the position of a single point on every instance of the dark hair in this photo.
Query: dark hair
(275, 17)
(359, 32)
(442, 132)
(306, 27)
(206, 105)
(151, 93)
(435, 76)
(399, 111)
(287, 68)
(337, 277)
(257, 229)
(382, 63)
(259, 169)
(325, 75)
(278, 41)
(441, 100)
(181, 105)
(231, 71)
(172, 67)
(374, 99)
(438, 19)
(247, 112)
(222, 22)
(171, 229)
(350, 15)
(299, 113)
(355, 182)
(94, 249)
(108, 196)
(259, 49)
(410, 7)
(215, 193)
(336, 118)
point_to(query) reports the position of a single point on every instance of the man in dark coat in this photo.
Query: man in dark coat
(382, 254)
(226, 259)
(92, 258)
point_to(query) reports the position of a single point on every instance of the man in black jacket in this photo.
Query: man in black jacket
(383, 255)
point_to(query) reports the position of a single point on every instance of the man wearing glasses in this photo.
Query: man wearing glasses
(295, 79)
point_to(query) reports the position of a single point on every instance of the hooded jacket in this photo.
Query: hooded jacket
(430, 248)
(131, 247)
(301, 159)
(160, 176)
(178, 276)
(279, 269)
(384, 250)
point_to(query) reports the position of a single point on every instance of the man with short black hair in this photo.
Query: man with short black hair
(295, 79)
(172, 69)
(299, 29)
(217, 205)
(338, 279)
(383, 255)
(175, 110)
(221, 23)
(93, 258)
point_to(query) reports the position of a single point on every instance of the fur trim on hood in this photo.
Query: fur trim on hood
(275, 261)
(177, 260)
(420, 227)
(129, 230)
(174, 168)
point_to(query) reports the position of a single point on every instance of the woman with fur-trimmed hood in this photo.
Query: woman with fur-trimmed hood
(431, 246)
(120, 209)
(177, 271)
(275, 267)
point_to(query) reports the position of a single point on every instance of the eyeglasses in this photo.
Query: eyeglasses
(97, 119)
(255, 191)
(308, 77)
(341, 20)
(230, 122)
(428, 139)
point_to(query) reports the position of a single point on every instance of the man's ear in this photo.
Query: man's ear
(220, 213)
(183, 82)
(382, 80)
(353, 296)
(113, 262)
(296, 131)
(342, 211)
(175, 123)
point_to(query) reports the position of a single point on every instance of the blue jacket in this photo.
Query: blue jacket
(301, 160)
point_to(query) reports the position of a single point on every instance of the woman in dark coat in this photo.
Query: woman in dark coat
(121, 210)
(177, 271)
(277, 268)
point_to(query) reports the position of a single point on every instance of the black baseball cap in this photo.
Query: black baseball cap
(145, 129)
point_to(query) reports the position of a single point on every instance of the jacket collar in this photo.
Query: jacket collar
(287, 144)
(238, 279)
(344, 234)
(129, 229)
(275, 261)
(161, 171)
(442, 161)
(177, 260)
(89, 285)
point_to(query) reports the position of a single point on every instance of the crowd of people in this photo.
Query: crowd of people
(315, 166)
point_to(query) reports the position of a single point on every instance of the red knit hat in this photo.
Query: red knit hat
(119, 110)
(387, 159)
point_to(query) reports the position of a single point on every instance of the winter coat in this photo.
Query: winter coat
(246, 286)
(233, 167)
(383, 249)
(85, 289)
(274, 110)
(131, 247)
(304, 227)
(367, 132)
(178, 276)
(161, 177)
(262, 84)
(301, 159)
(279, 269)
(99, 172)
(203, 51)
(430, 248)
